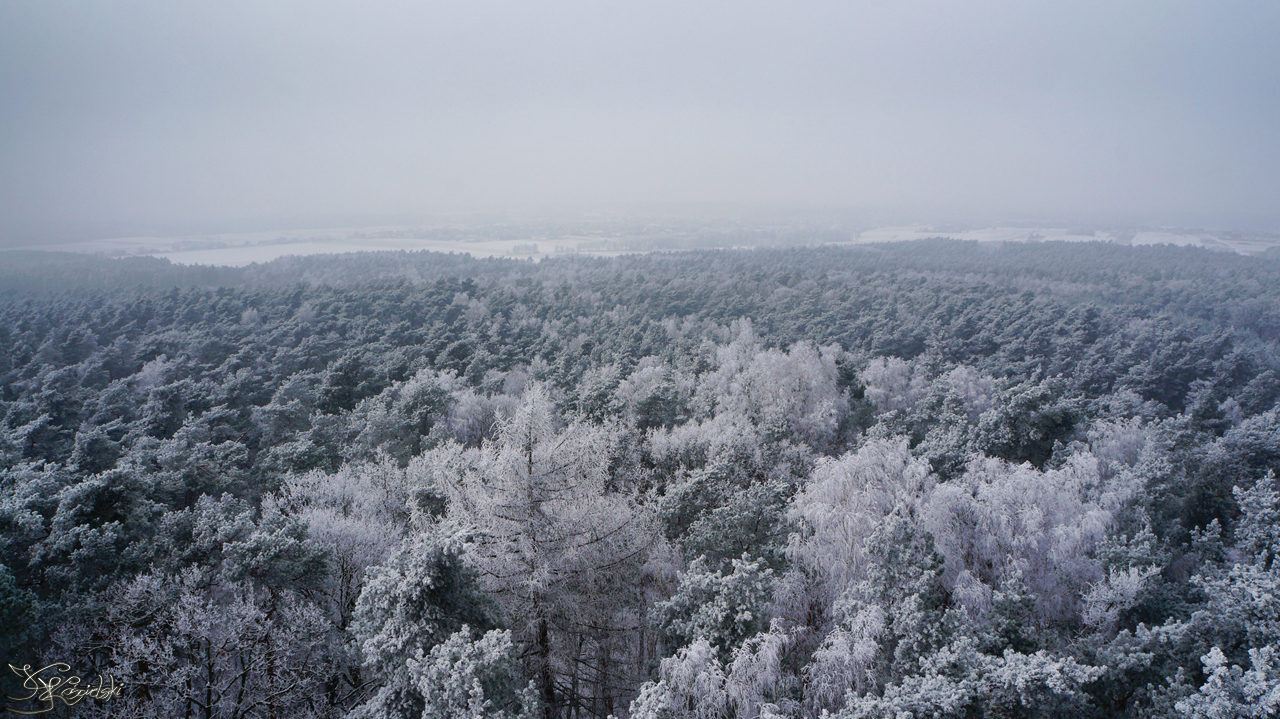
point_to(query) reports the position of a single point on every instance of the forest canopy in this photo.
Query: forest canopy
(924, 479)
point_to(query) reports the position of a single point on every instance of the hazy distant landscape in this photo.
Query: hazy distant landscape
(610, 239)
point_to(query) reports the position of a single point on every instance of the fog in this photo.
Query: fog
(121, 117)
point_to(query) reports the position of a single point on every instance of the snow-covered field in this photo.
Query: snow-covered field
(1221, 241)
(247, 248)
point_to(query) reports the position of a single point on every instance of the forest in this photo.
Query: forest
(923, 479)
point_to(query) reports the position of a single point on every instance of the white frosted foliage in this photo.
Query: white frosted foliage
(846, 499)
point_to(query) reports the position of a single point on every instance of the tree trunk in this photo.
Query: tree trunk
(575, 696)
(544, 670)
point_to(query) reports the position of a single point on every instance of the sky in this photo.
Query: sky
(122, 116)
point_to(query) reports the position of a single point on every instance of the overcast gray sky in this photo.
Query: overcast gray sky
(128, 115)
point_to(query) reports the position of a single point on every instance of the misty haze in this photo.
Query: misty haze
(591, 360)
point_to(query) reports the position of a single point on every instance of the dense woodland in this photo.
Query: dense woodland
(935, 479)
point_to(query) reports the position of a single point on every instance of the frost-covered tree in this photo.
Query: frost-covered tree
(893, 384)
(184, 647)
(998, 520)
(794, 394)
(1230, 691)
(655, 395)
(722, 608)
(358, 516)
(943, 423)
(1244, 592)
(691, 685)
(959, 681)
(465, 677)
(845, 500)
(417, 599)
(561, 550)
(848, 660)
(696, 684)
(751, 521)
(399, 421)
(1028, 420)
